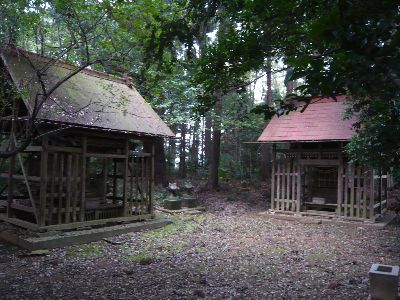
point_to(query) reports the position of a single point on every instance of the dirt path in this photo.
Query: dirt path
(230, 252)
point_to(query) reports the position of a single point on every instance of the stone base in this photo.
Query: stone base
(172, 204)
(189, 202)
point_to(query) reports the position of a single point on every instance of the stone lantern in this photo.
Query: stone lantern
(188, 199)
(172, 201)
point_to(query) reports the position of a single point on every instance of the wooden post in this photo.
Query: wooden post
(125, 179)
(298, 193)
(83, 179)
(278, 188)
(60, 188)
(293, 176)
(380, 191)
(273, 176)
(151, 194)
(75, 185)
(283, 191)
(52, 188)
(11, 166)
(372, 196)
(105, 176)
(352, 190)
(68, 193)
(365, 193)
(43, 180)
(358, 192)
(340, 185)
(115, 181)
(287, 162)
(346, 187)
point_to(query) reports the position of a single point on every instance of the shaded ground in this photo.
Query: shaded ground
(231, 251)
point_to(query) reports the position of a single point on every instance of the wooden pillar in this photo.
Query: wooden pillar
(52, 187)
(278, 188)
(69, 189)
(105, 176)
(372, 196)
(358, 193)
(11, 166)
(352, 183)
(152, 172)
(340, 185)
(125, 179)
(273, 176)
(83, 179)
(115, 181)
(43, 180)
(346, 190)
(298, 192)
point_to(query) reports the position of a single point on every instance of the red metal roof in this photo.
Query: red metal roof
(322, 120)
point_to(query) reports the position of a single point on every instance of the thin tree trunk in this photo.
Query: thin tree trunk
(194, 149)
(207, 140)
(171, 156)
(182, 152)
(265, 156)
(213, 178)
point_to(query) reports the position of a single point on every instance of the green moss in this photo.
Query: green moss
(275, 250)
(84, 250)
(143, 257)
(181, 224)
(320, 256)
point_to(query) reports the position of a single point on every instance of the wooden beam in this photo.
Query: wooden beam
(106, 155)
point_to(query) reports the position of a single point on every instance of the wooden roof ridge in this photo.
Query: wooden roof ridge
(64, 64)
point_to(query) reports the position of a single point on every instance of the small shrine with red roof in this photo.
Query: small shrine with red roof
(311, 174)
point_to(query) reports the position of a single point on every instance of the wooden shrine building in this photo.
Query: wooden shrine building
(92, 159)
(311, 174)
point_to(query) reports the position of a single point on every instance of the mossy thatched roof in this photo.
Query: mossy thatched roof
(89, 98)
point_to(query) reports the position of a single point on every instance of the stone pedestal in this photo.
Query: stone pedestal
(384, 281)
(189, 202)
(173, 204)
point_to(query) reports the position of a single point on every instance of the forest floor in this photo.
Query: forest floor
(230, 251)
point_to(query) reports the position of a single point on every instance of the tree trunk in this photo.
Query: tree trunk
(213, 178)
(194, 149)
(182, 152)
(265, 157)
(171, 156)
(207, 140)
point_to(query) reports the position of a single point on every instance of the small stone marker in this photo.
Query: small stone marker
(384, 281)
